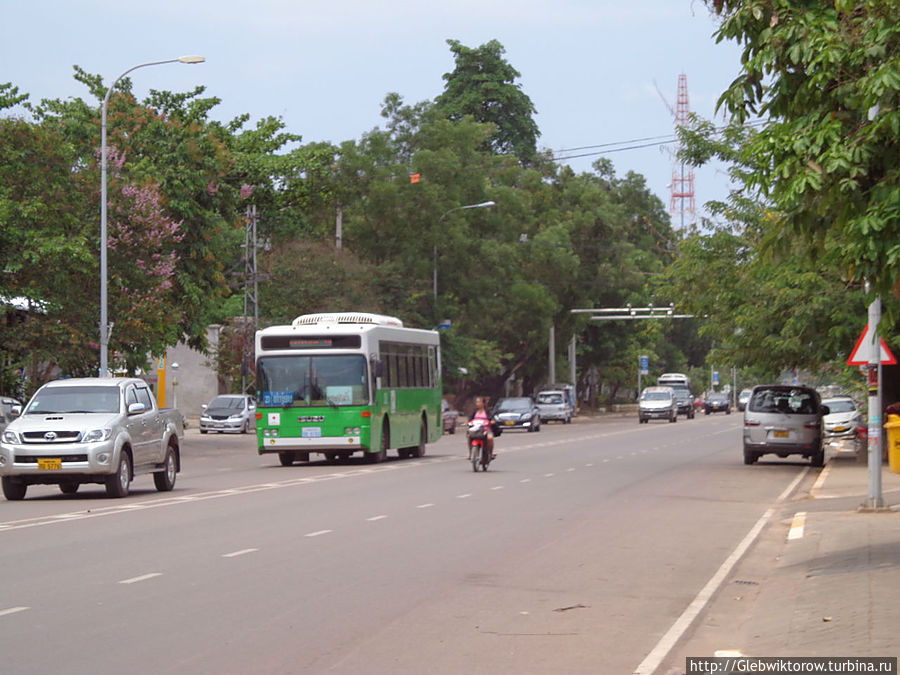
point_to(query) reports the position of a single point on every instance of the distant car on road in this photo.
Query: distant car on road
(553, 405)
(685, 400)
(843, 417)
(657, 403)
(743, 397)
(449, 417)
(517, 413)
(229, 413)
(717, 402)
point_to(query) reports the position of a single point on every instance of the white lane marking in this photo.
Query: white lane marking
(589, 464)
(549, 475)
(143, 577)
(570, 469)
(13, 610)
(243, 551)
(424, 506)
(374, 518)
(677, 630)
(797, 525)
(497, 487)
(464, 496)
(318, 533)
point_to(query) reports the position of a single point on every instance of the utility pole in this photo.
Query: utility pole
(251, 293)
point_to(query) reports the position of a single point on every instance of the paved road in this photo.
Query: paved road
(576, 553)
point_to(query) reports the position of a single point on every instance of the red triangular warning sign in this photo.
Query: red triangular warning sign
(860, 354)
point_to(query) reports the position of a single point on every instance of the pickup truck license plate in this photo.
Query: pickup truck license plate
(49, 463)
(312, 432)
(782, 433)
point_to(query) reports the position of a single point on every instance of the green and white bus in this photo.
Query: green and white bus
(345, 383)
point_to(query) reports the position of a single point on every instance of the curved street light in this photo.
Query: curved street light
(481, 205)
(104, 325)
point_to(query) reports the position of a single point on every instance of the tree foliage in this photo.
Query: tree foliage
(825, 78)
(482, 85)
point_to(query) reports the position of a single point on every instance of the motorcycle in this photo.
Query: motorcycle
(478, 449)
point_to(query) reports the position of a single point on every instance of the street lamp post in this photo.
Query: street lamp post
(104, 325)
(482, 205)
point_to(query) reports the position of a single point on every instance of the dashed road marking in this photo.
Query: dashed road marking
(13, 610)
(318, 533)
(243, 551)
(424, 506)
(797, 526)
(374, 518)
(143, 577)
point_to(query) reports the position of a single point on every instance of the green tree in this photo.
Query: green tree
(825, 77)
(483, 86)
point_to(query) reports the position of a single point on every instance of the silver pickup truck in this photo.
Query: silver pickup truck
(91, 430)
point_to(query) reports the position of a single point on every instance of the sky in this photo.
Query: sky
(598, 71)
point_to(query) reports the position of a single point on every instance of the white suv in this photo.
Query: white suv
(658, 403)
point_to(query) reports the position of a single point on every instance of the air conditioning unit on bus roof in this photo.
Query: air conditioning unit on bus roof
(349, 317)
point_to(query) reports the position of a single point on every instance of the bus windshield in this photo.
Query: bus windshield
(318, 380)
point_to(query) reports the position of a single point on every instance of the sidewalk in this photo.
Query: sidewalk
(823, 578)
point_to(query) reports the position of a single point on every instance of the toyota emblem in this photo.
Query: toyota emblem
(50, 436)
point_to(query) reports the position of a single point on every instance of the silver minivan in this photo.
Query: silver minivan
(657, 403)
(784, 420)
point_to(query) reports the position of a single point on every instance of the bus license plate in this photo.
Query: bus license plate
(49, 464)
(782, 433)
(312, 432)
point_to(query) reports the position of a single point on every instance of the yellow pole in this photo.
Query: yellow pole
(161, 382)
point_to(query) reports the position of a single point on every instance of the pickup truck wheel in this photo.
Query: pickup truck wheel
(165, 479)
(69, 488)
(118, 483)
(13, 491)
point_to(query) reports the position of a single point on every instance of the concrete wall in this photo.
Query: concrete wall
(194, 382)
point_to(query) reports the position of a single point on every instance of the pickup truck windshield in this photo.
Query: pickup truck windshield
(312, 380)
(87, 399)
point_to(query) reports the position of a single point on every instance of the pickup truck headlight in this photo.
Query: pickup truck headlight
(96, 435)
(11, 437)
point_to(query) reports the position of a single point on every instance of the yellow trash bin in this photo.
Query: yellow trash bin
(893, 433)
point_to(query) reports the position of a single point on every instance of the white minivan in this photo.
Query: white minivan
(658, 403)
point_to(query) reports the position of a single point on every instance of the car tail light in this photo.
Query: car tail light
(751, 423)
(811, 425)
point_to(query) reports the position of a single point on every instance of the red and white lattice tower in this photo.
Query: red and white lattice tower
(682, 176)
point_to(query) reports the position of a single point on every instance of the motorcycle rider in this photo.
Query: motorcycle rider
(481, 413)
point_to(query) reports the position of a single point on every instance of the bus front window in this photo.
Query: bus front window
(295, 380)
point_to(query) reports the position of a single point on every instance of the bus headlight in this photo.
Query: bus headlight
(351, 431)
(270, 433)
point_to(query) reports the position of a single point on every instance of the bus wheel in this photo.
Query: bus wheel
(286, 458)
(381, 455)
(419, 450)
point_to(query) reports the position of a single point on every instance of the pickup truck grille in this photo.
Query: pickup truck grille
(47, 437)
(19, 459)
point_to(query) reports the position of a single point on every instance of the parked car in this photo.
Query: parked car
(449, 417)
(717, 402)
(657, 403)
(784, 420)
(843, 417)
(230, 412)
(743, 397)
(517, 413)
(553, 405)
